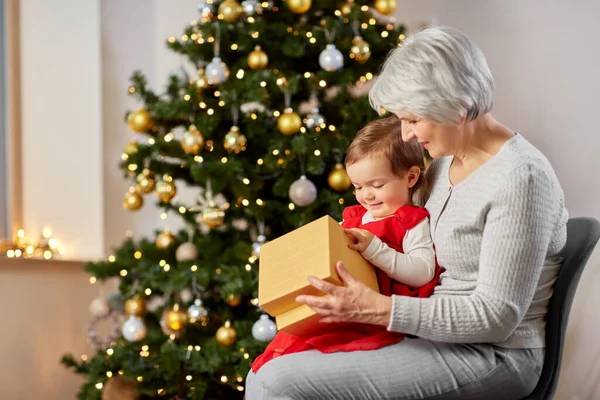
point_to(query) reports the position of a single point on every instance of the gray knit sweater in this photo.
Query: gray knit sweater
(497, 234)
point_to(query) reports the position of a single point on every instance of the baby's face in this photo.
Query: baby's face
(377, 188)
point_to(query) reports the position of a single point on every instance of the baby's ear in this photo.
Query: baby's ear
(413, 175)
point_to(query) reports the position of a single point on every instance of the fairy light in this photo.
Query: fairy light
(132, 167)
(109, 374)
(312, 40)
(194, 268)
(140, 379)
(331, 128)
(322, 83)
(110, 351)
(151, 141)
(317, 153)
(263, 84)
(384, 34)
(186, 97)
(224, 160)
(161, 392)
(184, 37)
(148, 291)
(240, 74)
(275, 152)
(163, 215)
(341, 201)
(246, 181)
(188, 378)
(280, 161)
(246, 202)
(260, 202)
(369, 76)
(364, 25)
(93, 280)
(167, 267)
(210, 111)
(218, 271)
(210, 39)
(246, 356)
(224, 379)
(202, 104)
(240, 388)
(123, 272)
(172, 39)
(276, 113)
(137, 255)
(260, 161)
(221, 103)
(197, 348)
(302, 129)
(372, 21)
(253, 116)
(99, 385)
(291, 206)
(84, 357)
(162, 263)
(234, 46)
(198, 159)
(251, 19)
(124, 157)
(111, 258)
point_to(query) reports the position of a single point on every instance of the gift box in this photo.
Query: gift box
(313, 249)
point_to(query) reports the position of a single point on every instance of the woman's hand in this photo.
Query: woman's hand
(361, 237)
(352, 302)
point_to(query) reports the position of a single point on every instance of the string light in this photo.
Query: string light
(291, 206)
(162, 263)
(275, 152)
(84, 357)
(210, 111)
(255, 35)
(194, 268)
(137, 255)
(172, 39)
(148, 291)
(234, 46)
(123, 272)
(263, 84)
(92, 280)
(111, 258)
(186, 97)
(99, 385)
(163, 215)
(224, 160)
(276, 113)
(132, 167)
(248, 267)
(260, 161)
(184, 37)
(140, 378)
(167, 267)
(188, 378)
(202, 104)
(384, 34)
(317, 153)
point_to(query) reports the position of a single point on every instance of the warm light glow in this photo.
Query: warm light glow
(198, 159)
(364, 25)
(111, 258)
(188, 378)
(234, 46)
(291, 206)
(255, 35)
(224, 160)
(148, 291)
(317, 153)
(167, 267)
(84, 357)
(221, 103)
(259, 202)
(260, 161)
(110, 351)
(197, 348)
(151, 141)
(182, 210)
(322, 83)
(123, 272)
(184, 37)
(331, 128)
(245, 202)
(194, 268)
(263, 84)
(246, 181)
(109, 374)
(132, 167)
(140, 378)
(240, 74)
(276, 113)
(137, 255)
(162, 263)
(99, 385)
(384, 34)
(92, 280)
(202, 104)
(341, 201)
(172, 39)
(210, 111)
(163, 215)
(248, 267)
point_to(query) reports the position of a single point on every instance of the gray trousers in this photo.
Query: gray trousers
(411, 369)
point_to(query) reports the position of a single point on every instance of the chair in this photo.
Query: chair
(582, 236)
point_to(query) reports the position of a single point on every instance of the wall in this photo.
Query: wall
(61, 118)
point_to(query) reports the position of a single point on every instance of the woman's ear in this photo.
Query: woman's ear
(413, 175)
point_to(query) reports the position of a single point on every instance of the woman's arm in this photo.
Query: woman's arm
(516, 236)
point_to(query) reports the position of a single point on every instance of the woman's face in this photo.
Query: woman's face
(439, 140)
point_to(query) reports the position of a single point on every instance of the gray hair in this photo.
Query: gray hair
(438, 74)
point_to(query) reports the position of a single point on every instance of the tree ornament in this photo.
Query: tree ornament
(164, 326)
(135, 306)
(264, 329)
(303, 192)
(134, 329)
(192, 141)
(234, 300)
(299, 6)
(289, 122)
(139, 120)
(131, 147)
(331, 59)
(252, 7)
(99, 307)
(234, 141)
(216, 71)
(212, 216)
(314, 119)
(338, 179)
(186, 252)
(360, 50)
(347, 7)
(176, 318)
(226, 335)
(230, 10)
(104, 343)
(165, 189)
(258, 59)
(119, 388)
(260, 240)
(165, 239)
(146, 181)
(206, 10)
(385, 7)
(197, 313)
(132, 200)
(201, 82)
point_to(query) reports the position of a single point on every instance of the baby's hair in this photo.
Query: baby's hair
(383, 138)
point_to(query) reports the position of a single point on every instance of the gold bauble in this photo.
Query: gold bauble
(119, 388)
(164, 240)
(135, 306)
(176, 318)
(338, 179)
(346, 8)
(212, 217)
(139, 120)
(258, 59)
(226, 335)
(299, 6)
(146, 181)
(234, 300)
(192, 141)
(360, 50)
(131, 147)
(165, 190)
(234, 141)
(289, 122)
(230, 10)
(386, 7)
(201, 82)
(132, 201)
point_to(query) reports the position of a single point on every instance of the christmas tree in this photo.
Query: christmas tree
(261, 130)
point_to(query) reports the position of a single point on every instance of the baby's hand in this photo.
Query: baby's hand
(361, 237)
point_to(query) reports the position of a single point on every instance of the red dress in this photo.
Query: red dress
(391, 231)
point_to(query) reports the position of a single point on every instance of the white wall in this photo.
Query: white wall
(544, 56)
(62, 123)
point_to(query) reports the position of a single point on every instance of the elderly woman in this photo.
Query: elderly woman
(498, 222)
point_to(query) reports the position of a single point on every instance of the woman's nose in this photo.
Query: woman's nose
(407, 134)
